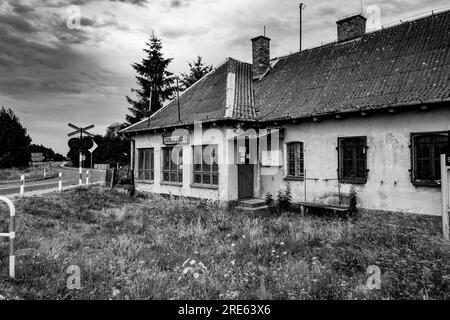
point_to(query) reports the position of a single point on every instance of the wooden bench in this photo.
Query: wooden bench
(306, 207)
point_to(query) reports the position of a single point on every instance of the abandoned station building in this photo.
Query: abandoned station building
(371, 110)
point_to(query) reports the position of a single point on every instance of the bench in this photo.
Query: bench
(306, 207)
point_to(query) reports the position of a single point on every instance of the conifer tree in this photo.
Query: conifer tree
(197, 70)
(154, 80)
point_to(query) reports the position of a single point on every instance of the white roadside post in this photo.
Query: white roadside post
(45, 173)
(60, 182)
(445, 197)
(87, 177)
(11, 235)
(22, 185)
(80, 171)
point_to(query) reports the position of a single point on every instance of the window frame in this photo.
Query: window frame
(412, 146)
(348, 180)
(211, 173)
(178, 171)
(301, 176)
(152, 165)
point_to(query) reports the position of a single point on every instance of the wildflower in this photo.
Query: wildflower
(232, 262)
(243, 236)
(281, 243)
(192, 262)
(184, 263)
(284, 253)
(115, 292)
(233, 245)
(196, 275)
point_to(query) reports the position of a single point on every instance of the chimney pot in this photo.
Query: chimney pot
(351, 27)
(261, 56)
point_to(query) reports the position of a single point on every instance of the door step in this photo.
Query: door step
(252, 206)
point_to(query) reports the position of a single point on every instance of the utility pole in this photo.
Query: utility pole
(150, 101)
(302, 6)
(178, 102)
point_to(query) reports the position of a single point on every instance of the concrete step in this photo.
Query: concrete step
(256, 211)
(252, 203)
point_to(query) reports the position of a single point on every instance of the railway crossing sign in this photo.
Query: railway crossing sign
(82, 144)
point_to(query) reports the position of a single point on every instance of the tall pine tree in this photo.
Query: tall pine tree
(197, 70)
(154, 80)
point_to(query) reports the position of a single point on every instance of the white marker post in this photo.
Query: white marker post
(11, 235)
(80, 171)
(87, 177)
(60, 182)
(445, 197)
(45, 173)
(22, 185)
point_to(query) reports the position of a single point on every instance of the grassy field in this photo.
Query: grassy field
(154, 248)
(30, 173)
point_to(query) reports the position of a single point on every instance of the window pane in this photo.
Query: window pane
(295, 159)
(215, 179)
(352, 153)
(140, 159)
(197, 178)
(205, 162)
(427, 151)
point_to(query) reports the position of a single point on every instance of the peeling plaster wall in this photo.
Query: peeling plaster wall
(388, 159)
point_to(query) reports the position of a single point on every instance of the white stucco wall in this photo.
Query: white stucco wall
(227, 189)
(388, 159)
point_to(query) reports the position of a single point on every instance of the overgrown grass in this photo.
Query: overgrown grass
(156, 248)
(13, 174)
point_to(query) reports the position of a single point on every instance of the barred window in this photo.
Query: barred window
(146, 164)
(206, 168)
(172, 164)
(426, 152)
(352, 160)
(295, 160)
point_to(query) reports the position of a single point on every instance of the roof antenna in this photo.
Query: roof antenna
(264, 31)
(302, 6)
(361, 6)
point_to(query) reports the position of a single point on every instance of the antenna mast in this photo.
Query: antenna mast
(302, 6)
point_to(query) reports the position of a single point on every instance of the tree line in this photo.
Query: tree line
(15, 143)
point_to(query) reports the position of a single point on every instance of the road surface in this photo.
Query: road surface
(70, 178)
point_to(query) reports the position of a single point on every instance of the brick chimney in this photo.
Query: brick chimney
(351, 27)
(261, 56)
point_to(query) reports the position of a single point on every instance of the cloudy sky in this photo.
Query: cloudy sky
(52, 72)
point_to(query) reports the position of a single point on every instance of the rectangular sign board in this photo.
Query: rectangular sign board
(172, 140)
(37, 157)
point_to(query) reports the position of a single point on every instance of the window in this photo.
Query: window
(206, 168)
(295, 160)
(352, 160)
(146, 164)
(426, 151)
(172, 164)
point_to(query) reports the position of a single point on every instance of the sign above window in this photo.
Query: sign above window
(173, 140)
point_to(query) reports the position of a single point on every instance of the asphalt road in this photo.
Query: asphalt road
(70, 178)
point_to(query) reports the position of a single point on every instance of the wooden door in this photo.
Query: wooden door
(245, 181)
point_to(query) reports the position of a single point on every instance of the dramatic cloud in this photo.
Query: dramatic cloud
(52, 73)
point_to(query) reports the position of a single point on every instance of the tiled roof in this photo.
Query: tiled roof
(402, 64)
(405, 64)
(209, 99)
